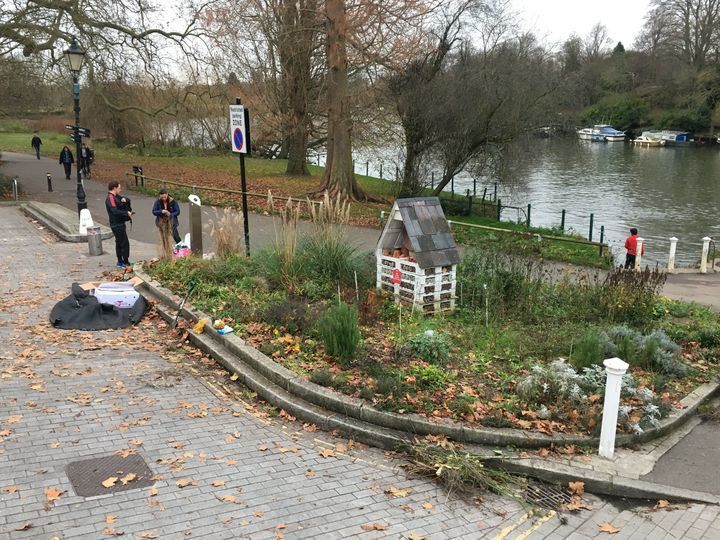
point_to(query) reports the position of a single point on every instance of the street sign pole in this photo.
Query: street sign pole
(242, 147)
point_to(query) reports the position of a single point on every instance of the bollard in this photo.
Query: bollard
(527, 224)
(562, 220)
(196, 245)
(638, 253)
(615, 369)
(590, 231)
(382, 215)
(671, 257)
(49, 181)
(703, 258)
(94, 238)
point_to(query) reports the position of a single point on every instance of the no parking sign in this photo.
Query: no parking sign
(239, 129)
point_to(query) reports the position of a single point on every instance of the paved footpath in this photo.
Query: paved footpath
(222, 464)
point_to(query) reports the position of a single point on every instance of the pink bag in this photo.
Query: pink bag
(181, 252)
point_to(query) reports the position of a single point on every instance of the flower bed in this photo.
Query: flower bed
(494, 368)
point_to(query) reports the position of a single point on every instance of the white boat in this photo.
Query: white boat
(601, 133)
(646, 139)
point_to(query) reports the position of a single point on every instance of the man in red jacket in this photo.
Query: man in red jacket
(631, 246)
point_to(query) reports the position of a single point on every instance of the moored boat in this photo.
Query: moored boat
(601, 133)
(648, 139)
(677, 138)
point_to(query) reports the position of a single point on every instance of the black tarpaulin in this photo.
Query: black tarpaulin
(82, 311)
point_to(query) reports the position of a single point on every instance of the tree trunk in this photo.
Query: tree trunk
(339, 177)
(295, 46)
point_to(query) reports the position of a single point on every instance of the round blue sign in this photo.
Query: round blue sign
(238, 139)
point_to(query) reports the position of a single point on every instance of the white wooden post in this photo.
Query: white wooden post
(638, 252)
(615, 369)
(671, 257)
(704, 256)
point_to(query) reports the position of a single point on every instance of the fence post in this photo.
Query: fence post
(499, 209)
(527, 224)
(671, 256)
(602, 238)
(495, 193)
(562, 221)
(703, 258)
(470, 201)
(367, 168)
(592, 218)
(432, 181)
(381, 164)
(615, 369)
(397, 174)
(353, 165)
(474, 187)
(638, 253)
(452, 187)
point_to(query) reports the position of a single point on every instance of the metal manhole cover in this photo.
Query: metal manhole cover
(544, 496)
(87, 476)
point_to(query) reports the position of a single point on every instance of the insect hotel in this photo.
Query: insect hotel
(417, 256)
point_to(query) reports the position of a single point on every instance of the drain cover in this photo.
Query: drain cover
(544, 496)
(87, 476)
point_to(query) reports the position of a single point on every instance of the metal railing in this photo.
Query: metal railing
(140, 180)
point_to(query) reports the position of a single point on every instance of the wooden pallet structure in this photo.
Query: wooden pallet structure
(417, 256)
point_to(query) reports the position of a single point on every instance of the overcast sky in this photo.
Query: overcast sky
(554, 20)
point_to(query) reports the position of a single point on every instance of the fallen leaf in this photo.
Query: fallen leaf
(148, 534)
(10, 489)
(327, 453)
(110, 519)
(218, 483)
(54, 445)
(310, 473)
(234, 377)
(53, 494)
(128, 478)
(231, 461)
(152, 492)
(500, 512)
(125, 452)
(427, 506)
(280, 526)
(185, 482)
(341, 448)
(136, 442)
(578, 488)
(414, 536)
(229, 498)
(262, 448)
(258, 514)
(608, 528)
(13, 419)
(110, 531)
(407, 508)
(373, 527)
(662, 503)
(395, 492)
(109, 482)
(24, 527)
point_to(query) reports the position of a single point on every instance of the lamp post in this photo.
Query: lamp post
(74, 56)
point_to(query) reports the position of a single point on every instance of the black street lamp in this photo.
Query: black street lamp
(74, 55)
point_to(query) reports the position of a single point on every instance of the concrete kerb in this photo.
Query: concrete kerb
(322, 397)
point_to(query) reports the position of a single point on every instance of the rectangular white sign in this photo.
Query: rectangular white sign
(238, 130)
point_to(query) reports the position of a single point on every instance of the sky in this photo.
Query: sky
(553, 21)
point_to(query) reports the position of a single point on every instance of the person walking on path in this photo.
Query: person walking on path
(119, 212)
(167, 209)
(87, 156)
(36, 142)
(66, 159)
(631, 247)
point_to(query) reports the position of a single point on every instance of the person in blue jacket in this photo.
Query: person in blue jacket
(66, 160)
(167, 208)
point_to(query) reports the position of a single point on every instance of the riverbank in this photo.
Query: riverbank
(220, 172)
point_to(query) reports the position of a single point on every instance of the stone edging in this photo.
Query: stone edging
(57, 227)
(413, 424)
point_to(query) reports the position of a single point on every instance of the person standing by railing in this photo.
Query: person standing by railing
(631, 247)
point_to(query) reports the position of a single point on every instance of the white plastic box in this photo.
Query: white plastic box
(119, 294)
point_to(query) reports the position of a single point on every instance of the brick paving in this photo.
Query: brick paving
(69, 396)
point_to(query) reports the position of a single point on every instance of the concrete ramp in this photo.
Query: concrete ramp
(64, 222)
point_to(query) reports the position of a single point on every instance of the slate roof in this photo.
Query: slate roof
(428, 231)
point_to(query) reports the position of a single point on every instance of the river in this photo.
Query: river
(664, 192)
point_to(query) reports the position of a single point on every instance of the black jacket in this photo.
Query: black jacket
(36, 142)
(117, 208)
(66, 157)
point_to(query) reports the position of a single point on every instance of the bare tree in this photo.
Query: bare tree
(597, 43)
